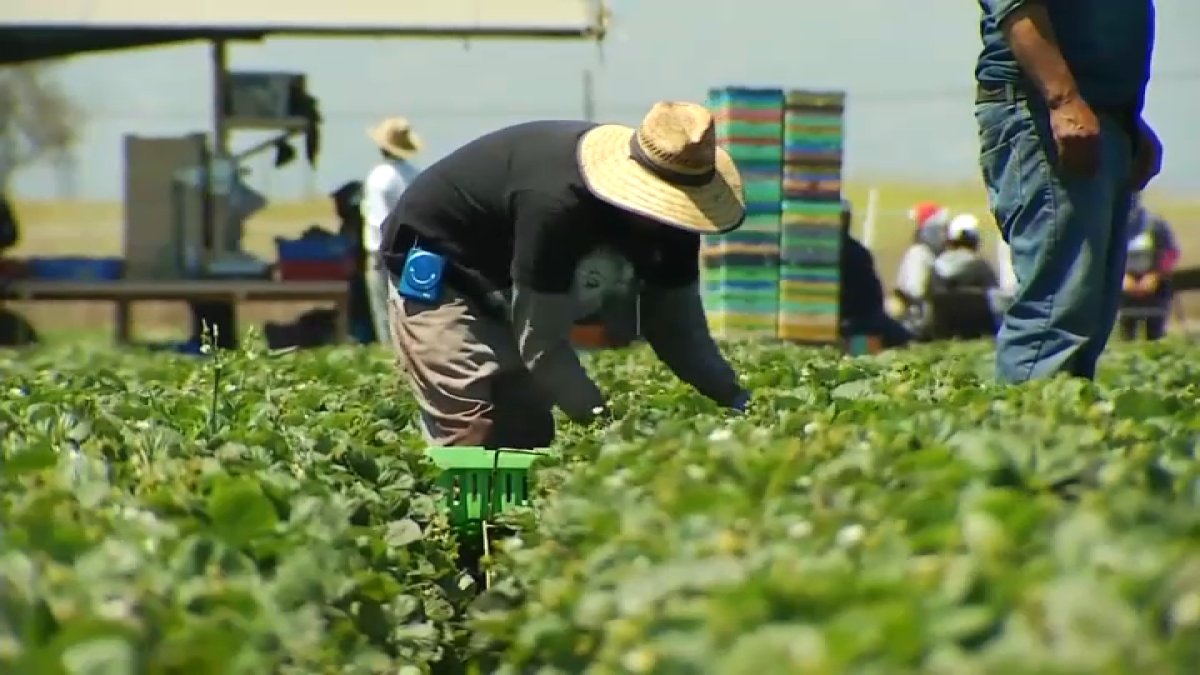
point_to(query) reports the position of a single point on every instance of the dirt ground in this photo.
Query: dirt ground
(95, 229)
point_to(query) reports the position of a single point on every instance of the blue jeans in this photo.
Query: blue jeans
(1067, 235)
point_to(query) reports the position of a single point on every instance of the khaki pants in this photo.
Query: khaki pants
(378, 287)
(467, 376)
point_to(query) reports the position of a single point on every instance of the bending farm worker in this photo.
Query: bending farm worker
(861, 304)
(497, 249)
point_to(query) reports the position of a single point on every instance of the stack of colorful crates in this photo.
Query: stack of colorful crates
(741, 269)
(810, 239)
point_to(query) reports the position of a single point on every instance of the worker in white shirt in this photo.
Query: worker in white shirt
(912, 277)
(398, 144)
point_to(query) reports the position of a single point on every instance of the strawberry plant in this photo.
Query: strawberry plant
(896, 514)
(255, 513)
(281, 523)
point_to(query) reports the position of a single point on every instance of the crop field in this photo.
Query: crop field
(249, 513)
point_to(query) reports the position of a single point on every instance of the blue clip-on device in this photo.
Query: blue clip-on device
(422, 276)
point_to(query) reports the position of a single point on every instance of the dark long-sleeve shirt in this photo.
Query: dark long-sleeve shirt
(514, 217)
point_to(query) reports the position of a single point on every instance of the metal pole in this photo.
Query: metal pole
(589, 96)
(220, 145)
(220, 68)
(868, 225)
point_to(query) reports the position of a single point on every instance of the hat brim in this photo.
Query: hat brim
(379, 136)
(612, 175)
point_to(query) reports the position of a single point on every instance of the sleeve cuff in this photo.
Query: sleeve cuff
(1001, 10)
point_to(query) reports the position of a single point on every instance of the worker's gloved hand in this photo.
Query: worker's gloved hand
(601, 415)
(741, 403)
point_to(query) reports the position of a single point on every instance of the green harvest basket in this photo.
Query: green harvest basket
(481, 483)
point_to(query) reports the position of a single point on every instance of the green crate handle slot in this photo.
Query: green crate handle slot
(482, 482)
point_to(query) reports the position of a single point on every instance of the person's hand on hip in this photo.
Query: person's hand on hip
(1076, 132)
(1147, 161)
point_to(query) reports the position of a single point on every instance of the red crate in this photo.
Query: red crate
(315, 270)
(13, 269)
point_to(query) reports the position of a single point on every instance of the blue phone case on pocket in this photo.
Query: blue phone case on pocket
(421, 278)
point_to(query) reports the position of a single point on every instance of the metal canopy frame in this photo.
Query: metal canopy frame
(36, 30)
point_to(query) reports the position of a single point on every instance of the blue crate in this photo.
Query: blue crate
(313, 248)
(75, 269)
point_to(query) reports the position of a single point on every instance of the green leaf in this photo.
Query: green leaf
(401, 533)
(102, 656)
(240, 512)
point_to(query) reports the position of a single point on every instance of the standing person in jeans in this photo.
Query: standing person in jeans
(398, 144)
(1063, 146)
(487, 248)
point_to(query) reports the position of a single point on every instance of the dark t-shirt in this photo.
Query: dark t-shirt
(511, 207)
(1107, 45)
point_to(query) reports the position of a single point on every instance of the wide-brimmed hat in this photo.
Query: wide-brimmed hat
(669, 169)
(396, 136)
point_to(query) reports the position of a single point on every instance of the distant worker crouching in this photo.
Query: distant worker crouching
(963, 286)
(862, 298)
(912, 276)
(1146, 289)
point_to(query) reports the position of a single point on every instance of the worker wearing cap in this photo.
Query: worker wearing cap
(1146, 288)
(525, 227)
(912, 276)
(961, 270)
(928, 239)
(960, 264)
(398, 146)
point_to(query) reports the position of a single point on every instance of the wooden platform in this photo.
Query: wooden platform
(124, 293)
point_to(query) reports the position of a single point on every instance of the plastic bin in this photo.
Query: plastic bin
(315, 270)
(591, 336)
(481, 483)
(75, 269)
(11, 268)
(863, 345)
(312, 248)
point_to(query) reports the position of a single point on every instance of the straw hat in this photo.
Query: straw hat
(396, 136)
(668, 169)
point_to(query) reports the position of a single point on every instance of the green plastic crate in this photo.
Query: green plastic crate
(480, 483)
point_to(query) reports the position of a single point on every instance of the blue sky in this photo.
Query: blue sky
(908, 72)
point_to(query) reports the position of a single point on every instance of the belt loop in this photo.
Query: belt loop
(1010, 93)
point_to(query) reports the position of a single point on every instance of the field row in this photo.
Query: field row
(247, 513)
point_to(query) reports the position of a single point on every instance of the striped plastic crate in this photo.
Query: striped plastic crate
(741, 269)
(810, 231)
